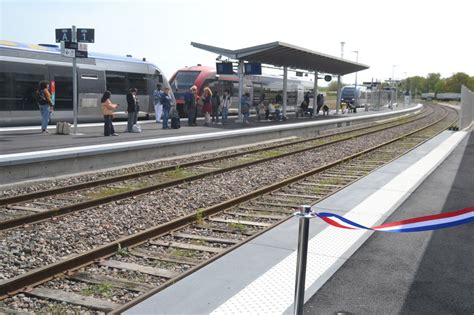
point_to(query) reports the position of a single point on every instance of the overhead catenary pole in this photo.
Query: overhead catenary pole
(315, 92)
(356, 95)
(285, 89)
(338, 95)
(241, 88)
(74, 81)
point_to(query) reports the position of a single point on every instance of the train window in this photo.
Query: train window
(116, 82)
(158, 78)
(24, 89)
(89, 77)
(235, 89)
(64, 92)
(139, 81)
(5, 84)
(185, 79)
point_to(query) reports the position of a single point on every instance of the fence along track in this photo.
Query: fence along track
(211, 232)
(42, 208)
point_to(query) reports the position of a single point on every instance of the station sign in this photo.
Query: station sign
(85, 35)
(63, 35)
(71, 49)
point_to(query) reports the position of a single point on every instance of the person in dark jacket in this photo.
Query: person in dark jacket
(132, 108)
(216, 103)
(166, 102)
(192, 106)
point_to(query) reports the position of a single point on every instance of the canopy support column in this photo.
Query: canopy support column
(285, 89)
(241, 89)
(315, 92)
(338, 100)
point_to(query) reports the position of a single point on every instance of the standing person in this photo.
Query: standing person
(245, 107)
(192, 106)
(319, 102)
(279, 99)
(226, 102)
(157, 103)
(108, 112)
(45, 104)
(260, 106)
(306, 98)
(207, 106)
(216, 103)
(166, 103)
(132, 109)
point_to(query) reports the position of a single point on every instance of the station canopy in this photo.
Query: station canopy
(286, 55)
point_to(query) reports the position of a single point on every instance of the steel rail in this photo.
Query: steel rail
(40, 275)
(113, 179)
(37, 217)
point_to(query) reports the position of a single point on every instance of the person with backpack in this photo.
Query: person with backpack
(108, 112)
(157, 103)
(132, 109)
(45, 104)
(166, 103)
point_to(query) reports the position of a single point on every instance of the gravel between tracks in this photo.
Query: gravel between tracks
(23, 249)
(81, 178)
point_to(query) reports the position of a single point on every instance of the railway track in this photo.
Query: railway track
(115, 276)
(33, 207)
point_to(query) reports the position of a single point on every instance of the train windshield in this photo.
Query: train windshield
(347, 92)
(184, 79)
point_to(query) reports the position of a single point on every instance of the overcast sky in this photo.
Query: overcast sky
(417, 36)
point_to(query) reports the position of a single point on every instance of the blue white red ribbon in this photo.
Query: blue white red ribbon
(425, 223)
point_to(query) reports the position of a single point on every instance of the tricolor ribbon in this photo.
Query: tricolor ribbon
(425, 223)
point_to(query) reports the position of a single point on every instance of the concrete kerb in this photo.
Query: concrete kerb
(31, 165)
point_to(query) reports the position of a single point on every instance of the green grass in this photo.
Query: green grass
(109, 191)
(268, 154)
(178, 172)
(55, 309)
(123, 252)
(178, 252)
(200, 216)
(101, 289)
(237, 226)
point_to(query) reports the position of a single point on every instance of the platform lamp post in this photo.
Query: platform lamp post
(356, 95)
(392, 86)
(338, 95)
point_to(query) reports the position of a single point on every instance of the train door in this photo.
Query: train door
(299, 95)
(62, 76)
(91, 86)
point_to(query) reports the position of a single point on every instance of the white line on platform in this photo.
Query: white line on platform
(273, 292)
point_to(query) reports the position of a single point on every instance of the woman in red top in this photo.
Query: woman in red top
(207, 106)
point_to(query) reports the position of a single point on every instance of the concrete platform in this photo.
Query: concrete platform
(428, 272)
(25, 154)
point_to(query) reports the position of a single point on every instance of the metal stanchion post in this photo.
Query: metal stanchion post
(304, 216)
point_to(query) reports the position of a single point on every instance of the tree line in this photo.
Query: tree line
(432, 83)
